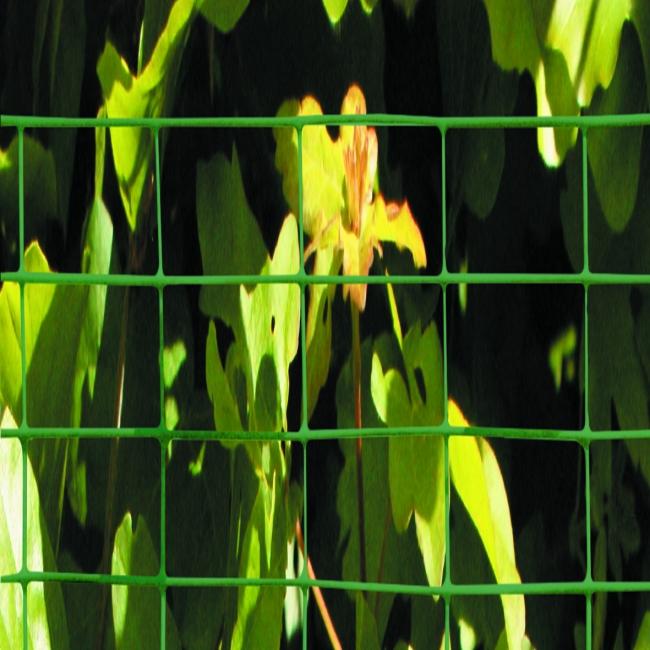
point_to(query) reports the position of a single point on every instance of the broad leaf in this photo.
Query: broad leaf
(472, 85)
(535, 36)
(153, 23)
(642, 642)
(416, 463)
(615, 371)
(144, 95)
(335, 9)
(63, 331)
(270, 318)
(223, 14)
(271, 315)
(477, 478)
(226, 415)
(45, 610)
(365, 637)
(230, 238)
(617, 185)
(136, 610)
(376, 495)
(263, 554)
(40, 190)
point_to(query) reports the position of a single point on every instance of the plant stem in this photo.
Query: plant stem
(356, 381)
(318, 594)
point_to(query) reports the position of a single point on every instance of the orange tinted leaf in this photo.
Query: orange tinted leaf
(395, 223)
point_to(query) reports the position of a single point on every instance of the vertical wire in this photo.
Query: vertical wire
(304, 417)
(24, 581)
(587, 427)
(445, 393)
(162, 574)
(23, 358)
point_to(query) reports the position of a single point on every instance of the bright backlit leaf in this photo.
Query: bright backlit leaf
(535, 36)
(45, 609)
(143, 95)
(416, 463)
(263, 554)
(477, 478)
(136, 610)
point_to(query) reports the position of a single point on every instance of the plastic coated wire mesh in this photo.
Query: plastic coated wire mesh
(586, 587)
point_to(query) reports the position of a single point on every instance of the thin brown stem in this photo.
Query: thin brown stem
(356, 380)
(318, 595)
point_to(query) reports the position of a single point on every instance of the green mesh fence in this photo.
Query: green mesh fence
(587, 587)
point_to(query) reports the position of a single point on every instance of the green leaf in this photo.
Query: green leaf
(67, 62)
(615, 371)
(513, 34)
(271, 315)
(64, 326)
(144, 95)
(473, 85)
(153, 23)
(416, 463)
(642, 642)
(45, 610)
(533, 36)
(230, 238)
(477, 478)
(640, 15)
(617, 185)
(319, 326)
(57, 72)
(559, 99)
(366, 637)
(322, 167)
(223, 14)
(259, 609)
(335, 9)
(40, 188)
(136, 610)
(375, 490)
(226, 414)
(267, 397)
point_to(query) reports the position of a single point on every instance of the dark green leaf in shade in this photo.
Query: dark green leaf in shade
(223, 14)
(365, 627)
(230, 239)
(617, 184)
(40, 187)
(615, 371)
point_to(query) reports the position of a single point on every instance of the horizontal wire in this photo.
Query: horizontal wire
(446, 278)
(450, 589)
(300, 121)
(313, 435)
